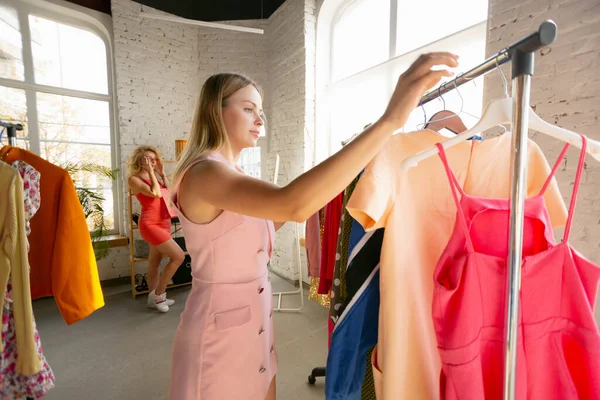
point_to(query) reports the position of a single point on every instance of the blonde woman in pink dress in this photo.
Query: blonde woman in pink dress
(224, 348)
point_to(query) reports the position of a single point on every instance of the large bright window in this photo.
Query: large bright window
(55, 79)
(362, 50)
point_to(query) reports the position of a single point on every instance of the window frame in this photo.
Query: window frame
(96, 23)
(329, 15)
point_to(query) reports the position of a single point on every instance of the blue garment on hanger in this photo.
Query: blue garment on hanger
(357, 328)
(353, 336)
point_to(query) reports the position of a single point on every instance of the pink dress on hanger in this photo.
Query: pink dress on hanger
(224, 345)
(558, 350)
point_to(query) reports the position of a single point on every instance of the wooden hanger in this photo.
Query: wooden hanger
(446, 119)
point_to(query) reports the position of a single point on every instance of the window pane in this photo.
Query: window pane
(250, 161)
(13, 109)
(73, 119)
(64, 153)
(360, 37)
(11, 45)
(109, 212)
(356, 103)
(449, 17)
(68, 57)
(470, 46)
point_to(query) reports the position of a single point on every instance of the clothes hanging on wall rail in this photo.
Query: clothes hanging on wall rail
(63, 264)
(417, 212)
(14, 267)
(14, 383)
(558, 355)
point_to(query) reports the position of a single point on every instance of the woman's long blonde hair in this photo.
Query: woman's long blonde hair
(208, 133)
(135, 162)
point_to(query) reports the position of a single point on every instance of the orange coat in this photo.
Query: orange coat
(61, 256)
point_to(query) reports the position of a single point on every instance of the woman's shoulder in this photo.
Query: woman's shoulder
(138, 176)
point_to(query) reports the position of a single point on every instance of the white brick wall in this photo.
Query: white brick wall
(565, 91)
(160, 68)
(291, 40)
(157, 81)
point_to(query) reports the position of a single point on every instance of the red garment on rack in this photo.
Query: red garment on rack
(558, 347)
(313, 245)
(331, 228)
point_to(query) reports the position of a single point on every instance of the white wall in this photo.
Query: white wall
(290, 36)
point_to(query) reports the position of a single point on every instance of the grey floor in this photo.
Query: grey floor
(123, 351)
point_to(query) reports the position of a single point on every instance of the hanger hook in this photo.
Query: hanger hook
(440, 94)
(424, 114)
(504, 82)
(462, 101)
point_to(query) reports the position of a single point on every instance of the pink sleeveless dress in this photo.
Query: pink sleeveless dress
(558, 350)
(224, 345)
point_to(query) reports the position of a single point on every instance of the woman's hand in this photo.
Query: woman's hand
(160, 168)
(414, 82)
(147, 165)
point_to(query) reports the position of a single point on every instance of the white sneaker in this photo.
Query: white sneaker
(158, 302)
(151, 304)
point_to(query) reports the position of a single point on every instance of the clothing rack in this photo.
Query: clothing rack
(11, 132)
(298, 261)
(522, 56)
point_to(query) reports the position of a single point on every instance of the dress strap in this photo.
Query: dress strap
(575, 188)
(149, 182)
(554, 169)
(454, 186)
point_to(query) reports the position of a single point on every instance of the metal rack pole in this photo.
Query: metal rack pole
(522, 55)
(521, 91)
(12, 135)
(544, 35)
(11, 131)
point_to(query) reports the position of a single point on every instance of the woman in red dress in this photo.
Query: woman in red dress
(149, 184)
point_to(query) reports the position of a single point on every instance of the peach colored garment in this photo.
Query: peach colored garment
(418, 212)
(224, 345)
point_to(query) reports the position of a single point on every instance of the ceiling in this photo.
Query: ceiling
(205, 10)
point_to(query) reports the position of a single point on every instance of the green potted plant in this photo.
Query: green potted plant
(92, 202)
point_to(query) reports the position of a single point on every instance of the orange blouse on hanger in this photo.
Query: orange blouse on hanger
(61, 256)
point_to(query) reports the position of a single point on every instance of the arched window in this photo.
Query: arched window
(364, 45)
(56, 78)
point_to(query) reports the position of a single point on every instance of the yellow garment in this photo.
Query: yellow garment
(13, 263)
(418, 213)
(313, 293)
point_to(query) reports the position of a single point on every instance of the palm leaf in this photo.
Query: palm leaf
(91, 202)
